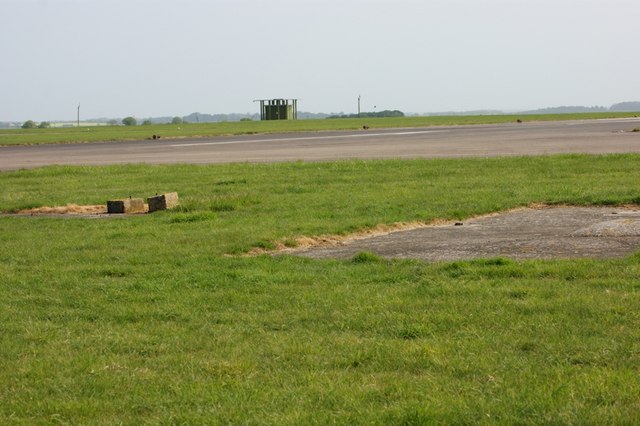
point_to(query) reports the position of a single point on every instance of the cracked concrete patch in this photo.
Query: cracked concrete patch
(529, 233)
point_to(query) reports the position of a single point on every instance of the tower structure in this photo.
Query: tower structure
(278, 109)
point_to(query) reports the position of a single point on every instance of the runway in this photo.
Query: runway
(529, 138)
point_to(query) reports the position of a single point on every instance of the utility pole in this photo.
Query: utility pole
(78, 114)
(359, 106)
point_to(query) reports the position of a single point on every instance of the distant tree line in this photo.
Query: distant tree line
(625, 107)
(131, 121)
(197, 117)
(30, 124)
(378, 114)
(619, 107)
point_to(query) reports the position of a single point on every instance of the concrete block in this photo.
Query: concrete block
(163, 202)
(127, 205)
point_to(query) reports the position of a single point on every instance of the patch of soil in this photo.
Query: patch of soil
(70, 210)
(538, 232)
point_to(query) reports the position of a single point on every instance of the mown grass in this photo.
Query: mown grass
(194, 130)
(146, 319)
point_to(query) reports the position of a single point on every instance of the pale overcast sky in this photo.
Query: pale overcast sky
(174, 57)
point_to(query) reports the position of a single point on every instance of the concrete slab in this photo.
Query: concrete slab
(531, 233)
(163, 202)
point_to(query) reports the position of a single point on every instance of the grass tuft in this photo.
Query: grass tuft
(366, 257)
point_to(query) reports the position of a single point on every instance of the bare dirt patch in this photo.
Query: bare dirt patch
(538, 232)
(68, 211)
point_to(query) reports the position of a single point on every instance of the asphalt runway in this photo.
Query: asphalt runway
(532, 138)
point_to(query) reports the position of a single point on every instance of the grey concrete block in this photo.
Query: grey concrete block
(163, 202)
(127, 205)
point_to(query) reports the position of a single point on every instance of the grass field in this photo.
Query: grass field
(117, 133)
(159, 319)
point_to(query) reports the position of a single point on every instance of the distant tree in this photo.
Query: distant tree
(177, 120)
(129, 121)
(112, 122)
(147, 122)
(44, 125)
(29, 124)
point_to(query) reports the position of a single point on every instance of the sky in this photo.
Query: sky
(151, 58)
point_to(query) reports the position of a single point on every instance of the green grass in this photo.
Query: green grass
(148, 320)
(192, 130)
